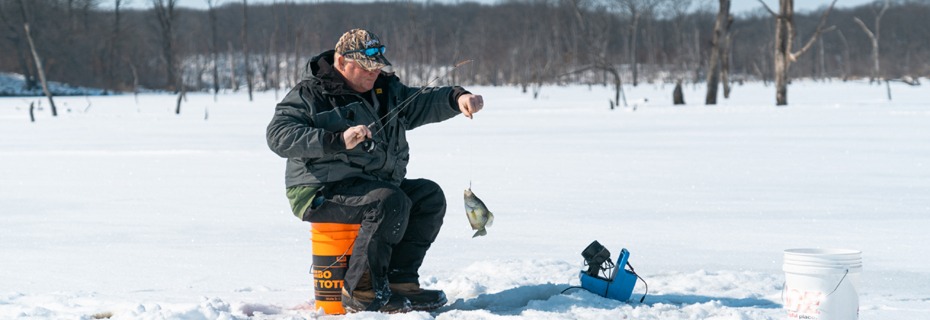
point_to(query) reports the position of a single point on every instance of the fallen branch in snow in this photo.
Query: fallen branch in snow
(908, 80)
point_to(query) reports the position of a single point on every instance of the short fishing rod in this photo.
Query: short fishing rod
(368, 145)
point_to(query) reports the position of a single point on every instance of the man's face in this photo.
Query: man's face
(357, 77)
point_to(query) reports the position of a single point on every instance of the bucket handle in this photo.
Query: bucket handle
(839, 283)
(344, 253)
(784, 285)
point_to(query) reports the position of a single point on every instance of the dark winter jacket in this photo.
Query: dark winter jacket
(307, 125)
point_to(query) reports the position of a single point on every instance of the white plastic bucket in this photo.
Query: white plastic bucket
(821, 284)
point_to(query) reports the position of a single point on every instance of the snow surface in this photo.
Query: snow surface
(120, 208)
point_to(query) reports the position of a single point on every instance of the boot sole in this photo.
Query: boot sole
(429, 307)
(352, 310)
(356, 307)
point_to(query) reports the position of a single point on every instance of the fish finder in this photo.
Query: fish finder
(604, 278)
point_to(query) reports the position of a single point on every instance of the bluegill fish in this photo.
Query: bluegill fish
(478, 214)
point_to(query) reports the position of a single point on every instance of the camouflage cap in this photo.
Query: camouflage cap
(359, 39)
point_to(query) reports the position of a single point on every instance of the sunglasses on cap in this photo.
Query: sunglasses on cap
(368, 52)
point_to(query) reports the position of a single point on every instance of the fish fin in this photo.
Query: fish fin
(490, 219)
(482, 232)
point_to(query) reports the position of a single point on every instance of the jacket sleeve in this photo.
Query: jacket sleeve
(292, 134)
(434, 104)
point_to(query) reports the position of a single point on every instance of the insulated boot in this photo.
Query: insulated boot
(420, 299)
(364, 295)
(360, 301)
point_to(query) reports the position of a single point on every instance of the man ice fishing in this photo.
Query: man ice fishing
(342, 129)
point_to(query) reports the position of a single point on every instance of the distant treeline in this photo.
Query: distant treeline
(522, 42)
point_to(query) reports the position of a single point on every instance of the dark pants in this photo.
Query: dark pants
(398, 225)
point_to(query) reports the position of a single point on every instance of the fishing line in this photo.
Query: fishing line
(368, 144)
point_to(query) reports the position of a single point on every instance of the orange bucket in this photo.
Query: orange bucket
(332, 247)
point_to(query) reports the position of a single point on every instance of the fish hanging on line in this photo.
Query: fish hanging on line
(478, 214)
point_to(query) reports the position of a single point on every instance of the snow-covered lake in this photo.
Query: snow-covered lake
(120, 207)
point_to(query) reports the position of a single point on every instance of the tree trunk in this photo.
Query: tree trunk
(873, 38)
(713, 74)
(678, 97)
(821, 65)
(181, 96)
(230, 57)
(633, 61)
(725, 61)
(696, 57)
(135, 80)
(245, 46)
(214, 49)
(164, 11)
(717, 52)
(298, 63)
(783, 37)
(273, 55)
(41, 70)
(115, 49)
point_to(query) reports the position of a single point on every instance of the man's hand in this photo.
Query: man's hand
(469, 104)
(355, 135)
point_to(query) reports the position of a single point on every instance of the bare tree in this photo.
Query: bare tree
(38, 60)
(295, 76)
(40, 69)
(726, 57)
(596, 33)
(115, 51)
(636, 9)
(272, 53)
(717, 53)
(166, 15)
(245, 46)
(873, 37)
(98, 48)
(784, 39)
(214, 47)
(687, 54)
(233, 83)
(86, 7)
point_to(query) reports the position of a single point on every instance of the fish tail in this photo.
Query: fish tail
(481, 232)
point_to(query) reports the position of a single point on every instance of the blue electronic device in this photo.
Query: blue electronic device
(606, 279)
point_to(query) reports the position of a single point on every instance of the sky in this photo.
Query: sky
(738, 6)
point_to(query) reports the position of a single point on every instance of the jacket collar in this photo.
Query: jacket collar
(320, 70)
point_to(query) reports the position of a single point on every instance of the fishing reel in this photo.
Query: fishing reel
(368, 145)
(605, 278)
